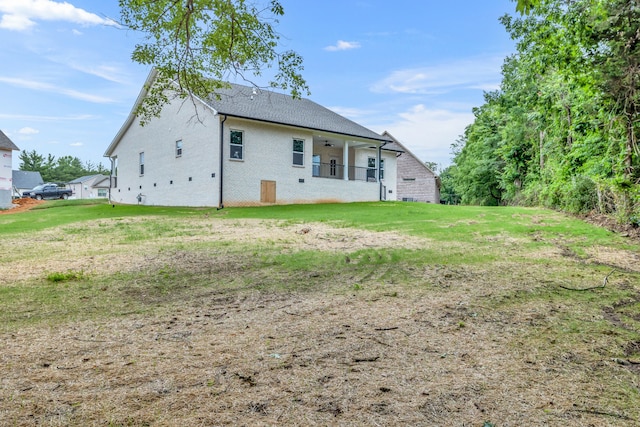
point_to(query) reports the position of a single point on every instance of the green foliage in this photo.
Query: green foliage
(65, 276)
(200, 44)
(562, 131)
(61, 170)
(448, 194)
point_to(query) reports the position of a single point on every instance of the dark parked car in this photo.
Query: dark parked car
(48, 191)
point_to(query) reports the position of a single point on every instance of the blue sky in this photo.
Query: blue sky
(413, 68)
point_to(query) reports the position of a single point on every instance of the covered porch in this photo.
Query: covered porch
(337, 158)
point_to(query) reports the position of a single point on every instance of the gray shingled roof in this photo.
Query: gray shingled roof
(266, 106)
(85, 178)
(6, 143)
(26, 179)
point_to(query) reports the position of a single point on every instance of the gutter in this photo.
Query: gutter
(220, 202)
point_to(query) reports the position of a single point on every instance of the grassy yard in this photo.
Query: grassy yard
(342, 314)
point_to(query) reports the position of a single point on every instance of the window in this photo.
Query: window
(381, 168)
(235, 145)
(102, 192)
(371, 169)
(179, 148)
(141, 163)
(298, 152)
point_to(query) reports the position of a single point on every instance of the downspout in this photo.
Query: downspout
(380, 170)
(220, 203)
(110, 177)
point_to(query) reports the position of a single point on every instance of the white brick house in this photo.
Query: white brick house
(249, 147)
(7, 147)
(415, 181)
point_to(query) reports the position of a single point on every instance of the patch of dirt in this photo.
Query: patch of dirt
(296, 359)
(626, 230)
(77, 251)
(21, 205)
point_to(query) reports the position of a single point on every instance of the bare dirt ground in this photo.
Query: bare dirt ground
(21, 205)
(446, 354)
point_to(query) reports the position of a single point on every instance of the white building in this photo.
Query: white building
(90, 187)
(6, 172)
(248, 147)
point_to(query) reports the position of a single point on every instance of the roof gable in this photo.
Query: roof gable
(398, 146)
(26, 179)
(95, 178)
(6, 143)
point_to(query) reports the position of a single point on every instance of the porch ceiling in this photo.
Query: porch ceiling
(333, 141)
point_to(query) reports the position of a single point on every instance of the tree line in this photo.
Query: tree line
(60, 170)
(562, 130)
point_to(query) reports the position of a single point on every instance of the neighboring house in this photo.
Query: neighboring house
(247, 146)
(90, 187)
(25, 180)
(415, 181)
(6, 172)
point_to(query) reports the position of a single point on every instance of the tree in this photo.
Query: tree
(61, 170)
(433, 166)
(199, 44)
(68, 168)
(614, 48)
(525, 6)
(31, 161)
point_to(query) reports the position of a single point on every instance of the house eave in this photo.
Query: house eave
(382, 139)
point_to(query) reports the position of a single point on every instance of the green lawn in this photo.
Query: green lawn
(557, 296)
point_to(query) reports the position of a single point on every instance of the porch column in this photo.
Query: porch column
(345, 161)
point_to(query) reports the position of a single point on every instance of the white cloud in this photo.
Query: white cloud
(47, 118)
(28, 131)
(342, 45)
(352, 113)
(428, 133)
(76, 144)
(107, 72)
(16, 22)
(472, 73)
(21, 15)
(46, 87)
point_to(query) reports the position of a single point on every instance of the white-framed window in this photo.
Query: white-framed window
(298, 152)
(371, 169)
(179, 148)
(102, 192)
(381, 168)
(141, 163)
(236, 144)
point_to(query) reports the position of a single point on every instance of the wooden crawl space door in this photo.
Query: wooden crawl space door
(267, 191)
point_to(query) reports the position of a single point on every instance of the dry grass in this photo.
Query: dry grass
(445, 346)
